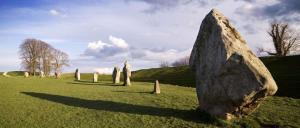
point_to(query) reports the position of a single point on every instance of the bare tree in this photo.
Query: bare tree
(37, 55)
(164, 64)
(45, 57)
(29, 55)
(284, 39)
(60, 59)
(181, 62)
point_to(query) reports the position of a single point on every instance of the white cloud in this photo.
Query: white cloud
(98, 45)
(103, 70)
(100, 49)
(245, 9)
(118, 42)
(54, 12)
(117, 50)
(169, 55)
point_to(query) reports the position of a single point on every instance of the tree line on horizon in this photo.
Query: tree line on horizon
(39, 56)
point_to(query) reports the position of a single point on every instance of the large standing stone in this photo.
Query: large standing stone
(95, 78)
(5, 74)
(77, 74)
(26, 74)
(126, 74)
(116, 75)
(42, 74)
(156, 87)
(230, 79)
(57, 75)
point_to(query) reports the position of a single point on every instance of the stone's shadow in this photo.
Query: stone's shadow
(134, 92)
(81, 82)
(85, 83)
(188, 115)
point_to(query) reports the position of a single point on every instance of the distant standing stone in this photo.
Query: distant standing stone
(57, 75)
(26, 74)
(126, 74)
(230, 80)
(5, 74)
(42, 74)
(95, 78)
(156, 87)
(116, 75)
(77, 74)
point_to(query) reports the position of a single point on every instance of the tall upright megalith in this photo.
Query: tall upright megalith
(230, 80)
(95, 77)
(26, 74)
(57, 75)
(5, 74)
(156, 87)
(116, 75)
(77, 74)
(42, 74)
(126, 74)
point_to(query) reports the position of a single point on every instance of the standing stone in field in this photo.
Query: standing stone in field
(230, 79)
(26, 74)
(126, 74)
(77, 74)
(116, 75)
(156, 88)
(5, 74)
(95, 78)
(42, 74)
(57, 75)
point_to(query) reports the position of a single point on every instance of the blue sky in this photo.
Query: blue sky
(100, 34)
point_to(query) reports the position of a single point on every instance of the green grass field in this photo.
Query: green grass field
(51, 103)
(285, 71)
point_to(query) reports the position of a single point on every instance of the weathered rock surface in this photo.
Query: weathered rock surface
(126, 74)
(116, 75)
(230, 79)
(26, 74)
(156, 87)
(77, 74)
(95, 78)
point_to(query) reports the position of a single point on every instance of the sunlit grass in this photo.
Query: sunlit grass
(48, 102)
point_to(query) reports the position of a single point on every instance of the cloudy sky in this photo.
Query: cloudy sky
(100, 34)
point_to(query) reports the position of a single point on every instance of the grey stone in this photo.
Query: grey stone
(5, 74)
(95, 78)
(77, 74)
(116, 75)
(126, 74)
(26, 74)
(42, 74)
(230, 80)
(57, 75)
(156, 87)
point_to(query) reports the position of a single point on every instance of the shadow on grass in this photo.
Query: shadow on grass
(134, 92)
(82, 82)
(188, 115)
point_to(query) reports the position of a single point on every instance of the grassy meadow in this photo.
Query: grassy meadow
(51, 103)
(285, 71)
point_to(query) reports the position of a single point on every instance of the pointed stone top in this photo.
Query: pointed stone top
(215, 17)
(126, 64)
(215, 11)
